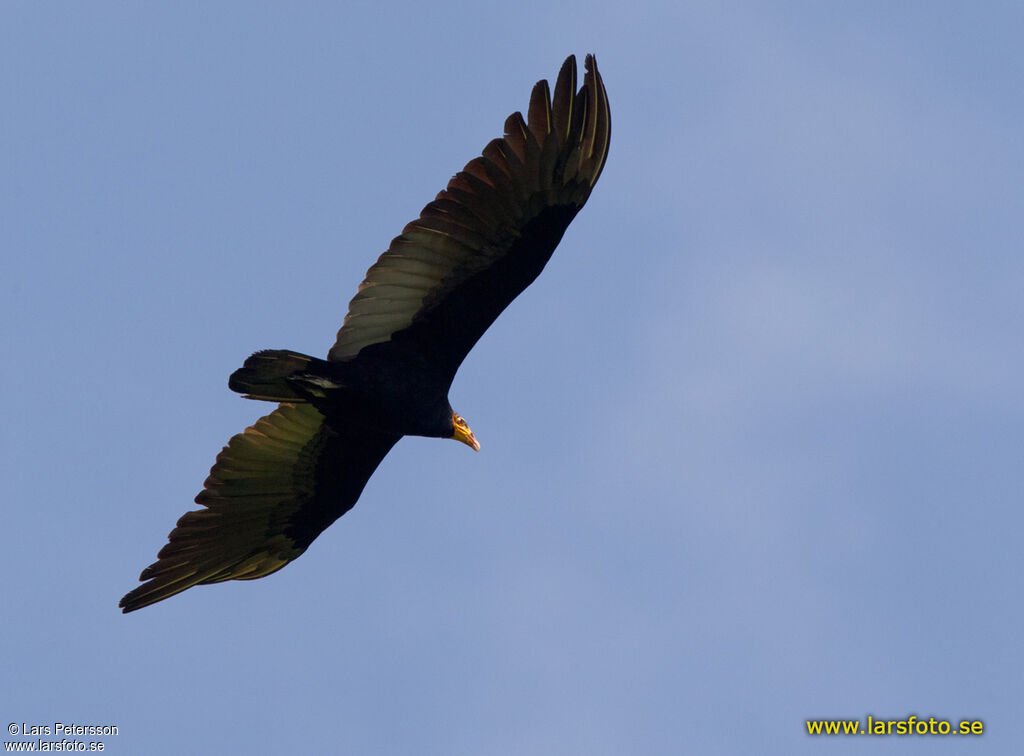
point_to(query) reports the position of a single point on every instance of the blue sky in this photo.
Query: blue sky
(752, 443)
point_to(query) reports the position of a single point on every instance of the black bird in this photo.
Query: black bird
(279, 484)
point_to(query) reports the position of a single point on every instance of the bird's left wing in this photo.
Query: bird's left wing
(274, 488)
(488, 235)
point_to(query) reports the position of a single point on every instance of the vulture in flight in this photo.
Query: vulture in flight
(280, 483)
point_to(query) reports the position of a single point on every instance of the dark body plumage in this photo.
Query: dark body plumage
(423, 305)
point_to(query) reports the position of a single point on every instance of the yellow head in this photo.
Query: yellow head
(463, 433)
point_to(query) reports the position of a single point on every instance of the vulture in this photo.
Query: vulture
(422, 306)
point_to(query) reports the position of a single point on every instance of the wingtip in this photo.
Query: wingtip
(128, 604)
(141, 597)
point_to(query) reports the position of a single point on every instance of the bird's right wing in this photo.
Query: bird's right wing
(274, 488)
(488, 235)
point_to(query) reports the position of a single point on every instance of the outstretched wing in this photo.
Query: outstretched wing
(274, 488)
(487, 236)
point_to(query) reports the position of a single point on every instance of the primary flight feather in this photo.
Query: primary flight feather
(423, 305)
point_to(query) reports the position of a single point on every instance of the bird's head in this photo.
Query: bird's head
(463, 433)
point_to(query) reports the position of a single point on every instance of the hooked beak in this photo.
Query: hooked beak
(464, 434)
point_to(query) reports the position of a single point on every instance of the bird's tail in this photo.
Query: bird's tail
(278, 375)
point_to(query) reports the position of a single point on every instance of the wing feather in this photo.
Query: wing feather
(538, 116)
(562, 102)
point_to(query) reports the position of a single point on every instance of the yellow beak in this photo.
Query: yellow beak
(465, 435)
